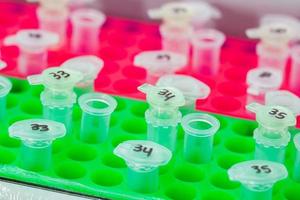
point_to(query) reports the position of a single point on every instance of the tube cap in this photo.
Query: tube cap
(89, 66)
(285, 99)
(142, 155)
(174, 13)
(56, 78)
(272, 117)
(162, 97)
(183, 13)
(274, 34)
(190, 87)
(160, 62)
(37, 132)
(263, 79)
(285, 19)
(258, 175)
(34, 40)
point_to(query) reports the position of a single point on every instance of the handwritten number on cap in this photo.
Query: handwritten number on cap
(277, 114)
(179, 10)
(167, 94)
(163, 57)
(39, 127)
(59, 74)
(265, 75)
(261, 169)
(141, 148)
(35, 35)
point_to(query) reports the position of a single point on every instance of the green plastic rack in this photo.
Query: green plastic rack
(92, 169)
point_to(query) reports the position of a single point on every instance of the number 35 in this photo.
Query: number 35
(277, 114)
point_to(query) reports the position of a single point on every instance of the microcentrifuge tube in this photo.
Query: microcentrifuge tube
(143, 159)
(294, 83)
(191, 88)
(53, 17)
(37, 136)
(163, 114)
(199, 134)
(272, 135)
(33, 45)
(285, 99)
(86, 25)
(159, 62)
(260, 81)
(207, 45)
(176, 39)
(273, 48)
(296, 171)
(90, 66)
(257, 178)
(54, 21)
(5, 87)
(58, 96)
(96, 112)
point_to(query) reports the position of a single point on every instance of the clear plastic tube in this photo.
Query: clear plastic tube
(276, 154)
(176, 39)
(37, 136)
(86, 25)
(257, 178)
(198, 139)
(162, 131)
(33, 45)
(272, 57)
(143, 159)
(248, 194)
(206, 51)
(54, 21)
(35, 159)
(163, 115)
(97, 109)
(62, 114)
(272, 135)
(143, 182)
(58, 97)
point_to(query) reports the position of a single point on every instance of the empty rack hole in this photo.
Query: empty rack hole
(189, 173)
(106, 177)
(70, 170)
